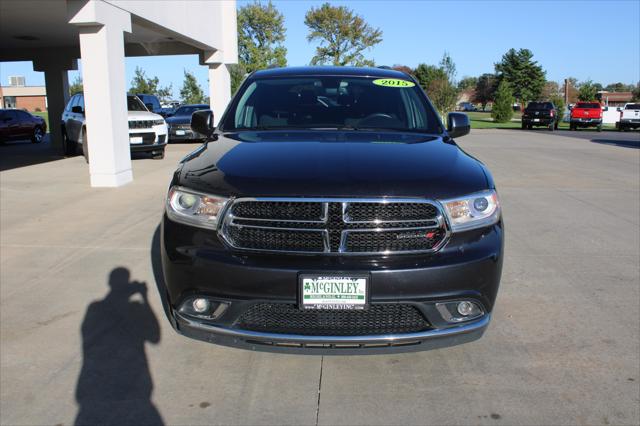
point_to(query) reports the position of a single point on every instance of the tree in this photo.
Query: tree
(525, 77)
(587, 91)
(149, 86)
(618, 87)
(261, 34)
(502, 110)
(403, 68)
(76, 86)
(485, 89)
(550, 89)
(426, 74)
(558, 101)
(237, 72)
(467, 83)
(636, 93)
(191, 92)
(343, 36)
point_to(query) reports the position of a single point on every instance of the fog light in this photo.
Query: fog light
(465, 308)
(460, 311)
(200, 305)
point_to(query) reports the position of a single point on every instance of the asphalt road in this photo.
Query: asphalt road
(81, 338)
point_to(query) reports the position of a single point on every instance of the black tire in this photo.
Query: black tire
(38, 135)
(555, 126)
(68, 145)
(85, 145)
(524, 126)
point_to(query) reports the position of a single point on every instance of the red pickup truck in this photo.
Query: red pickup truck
(586, 114)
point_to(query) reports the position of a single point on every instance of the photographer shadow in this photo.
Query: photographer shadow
(115, 385)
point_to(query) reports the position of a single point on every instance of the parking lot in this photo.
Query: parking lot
(563, 346)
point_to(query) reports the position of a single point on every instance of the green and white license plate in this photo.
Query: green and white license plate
(334, 292)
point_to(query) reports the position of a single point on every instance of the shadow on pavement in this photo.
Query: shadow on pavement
(623, 143)
(115, 385)
(24, 153)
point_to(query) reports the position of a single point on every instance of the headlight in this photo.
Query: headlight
(193, 208)
(473, 211)
(158, 122)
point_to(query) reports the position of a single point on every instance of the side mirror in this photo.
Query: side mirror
(77, 109)
(202, 122)
(458, 124)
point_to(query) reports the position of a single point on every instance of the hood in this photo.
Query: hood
(331, 164)
(178, 119)
(143, 115)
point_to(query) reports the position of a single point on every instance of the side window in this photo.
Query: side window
(70, 103)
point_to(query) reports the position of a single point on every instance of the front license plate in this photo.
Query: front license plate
(180, 133)
(135, 139)
(334, 292)
(536, 120)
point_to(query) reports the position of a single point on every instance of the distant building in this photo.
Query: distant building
(614, 99)
(20, 96)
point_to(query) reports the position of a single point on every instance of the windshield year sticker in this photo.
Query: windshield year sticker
(393, 82)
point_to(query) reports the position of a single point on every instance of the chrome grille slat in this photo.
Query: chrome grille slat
(284, 225)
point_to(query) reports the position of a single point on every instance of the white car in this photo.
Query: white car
(629, 116)
(147, 131)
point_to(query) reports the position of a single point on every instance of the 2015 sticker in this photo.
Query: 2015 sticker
(393, 82)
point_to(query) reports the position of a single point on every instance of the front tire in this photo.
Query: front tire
(38, 135)
(68, 145)
(85, 145)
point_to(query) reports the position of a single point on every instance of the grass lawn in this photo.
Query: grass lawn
(44, 115)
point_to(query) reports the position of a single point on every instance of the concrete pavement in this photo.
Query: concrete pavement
(79, 341)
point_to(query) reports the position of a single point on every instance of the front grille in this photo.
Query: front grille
(334, 226)
(140, 124)
(377, 319)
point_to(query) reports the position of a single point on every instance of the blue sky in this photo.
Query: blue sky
(598, 40)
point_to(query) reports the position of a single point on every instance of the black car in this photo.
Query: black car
(18, 125)
(538, 114)
(331, 211)
(179, 123)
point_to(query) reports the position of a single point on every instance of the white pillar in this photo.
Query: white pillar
(219, 89)
(101, 29)
(57, 84)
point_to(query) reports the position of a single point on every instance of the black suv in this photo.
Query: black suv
(331, 211)
(540, 114)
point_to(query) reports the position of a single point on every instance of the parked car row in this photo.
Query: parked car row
(148, 130)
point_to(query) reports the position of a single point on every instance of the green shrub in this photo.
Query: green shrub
(502, 110)
(558, 101)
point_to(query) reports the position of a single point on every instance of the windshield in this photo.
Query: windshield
(188, 110)
(134, 104)
(329, 102)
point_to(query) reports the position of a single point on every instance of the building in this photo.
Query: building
(30, 98)
(54, 34)
(614, 99)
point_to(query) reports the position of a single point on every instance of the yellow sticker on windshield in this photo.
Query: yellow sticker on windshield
(393, 82)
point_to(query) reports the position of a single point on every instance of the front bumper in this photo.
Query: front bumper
(195, 262)
(153, 139)
(186, 136)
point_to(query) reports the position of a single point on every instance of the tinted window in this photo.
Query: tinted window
(148, 99)
(632, 106)
(134, 104)
(539, 105)
(81, 101)
(188, 110)
(588, 105)
(72, 102)
(350, 103)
